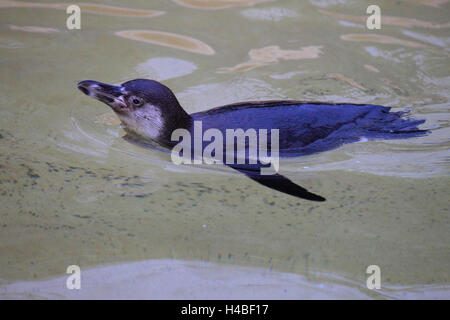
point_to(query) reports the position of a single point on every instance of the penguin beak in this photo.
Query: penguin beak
(111, 95)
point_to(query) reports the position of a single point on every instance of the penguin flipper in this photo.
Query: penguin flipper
(281, 184)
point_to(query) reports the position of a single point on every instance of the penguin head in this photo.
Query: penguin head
(146, 108)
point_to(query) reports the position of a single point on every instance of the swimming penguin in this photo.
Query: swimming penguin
(150, 112)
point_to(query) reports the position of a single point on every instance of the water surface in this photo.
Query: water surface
(74, 192)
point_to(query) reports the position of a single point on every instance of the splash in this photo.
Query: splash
(167, 39)
(218, 4)
(378, 38)
(33, 29)
(85, 7)
(388, 20)
(271, 55)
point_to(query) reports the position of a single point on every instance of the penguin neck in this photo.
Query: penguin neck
(179, 119)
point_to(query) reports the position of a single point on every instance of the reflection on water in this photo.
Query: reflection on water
(33, 29)
(218, 4)
(271, 54)
(390, 21)
(427, 38)
(351, 82)
(177, 279)
(378, 38)
(74, 192)
(432, 3)
(269, 14)
(371, 68)
(200, 97)
(108, 118)
(168, 39)
(161, 69)
(85, 7)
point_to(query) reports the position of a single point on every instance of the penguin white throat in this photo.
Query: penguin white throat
(146, 122)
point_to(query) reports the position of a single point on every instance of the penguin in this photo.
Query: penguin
(151, 114)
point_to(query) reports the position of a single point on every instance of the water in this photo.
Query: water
(74, 192)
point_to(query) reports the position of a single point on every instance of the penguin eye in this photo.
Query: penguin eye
(136, 101)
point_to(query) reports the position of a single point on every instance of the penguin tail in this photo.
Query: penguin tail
(391, 125)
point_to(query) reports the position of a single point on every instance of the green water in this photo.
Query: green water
(74, 192)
